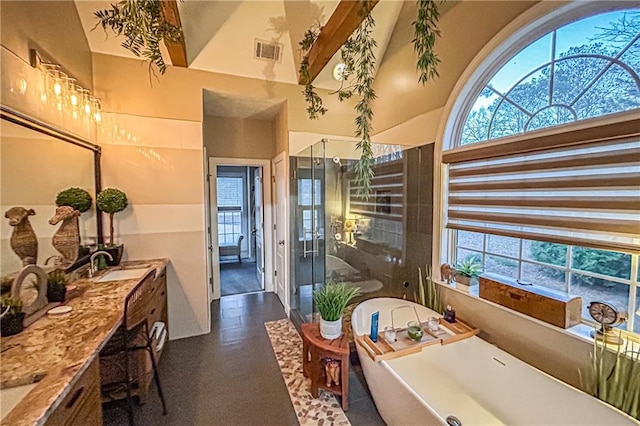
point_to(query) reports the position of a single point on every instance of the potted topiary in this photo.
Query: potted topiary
(80, 200)
(465, 271)
(56, 285)
(331, 300)
(77, 198)
(112, 201)
(11, 316)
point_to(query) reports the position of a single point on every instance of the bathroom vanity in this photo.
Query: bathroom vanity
(61, 352)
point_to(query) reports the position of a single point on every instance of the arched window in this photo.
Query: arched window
(581, 70)
(544, 170)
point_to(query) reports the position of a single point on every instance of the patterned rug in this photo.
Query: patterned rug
(287, 345)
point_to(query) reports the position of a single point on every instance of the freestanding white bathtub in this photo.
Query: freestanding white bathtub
(471, 380)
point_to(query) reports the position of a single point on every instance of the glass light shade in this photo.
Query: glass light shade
(72, 92)
(95, 107)
(85, 100)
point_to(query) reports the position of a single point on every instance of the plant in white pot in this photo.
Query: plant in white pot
(330, 301)
(466, 270)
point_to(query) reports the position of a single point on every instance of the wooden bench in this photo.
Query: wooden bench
(233, 250)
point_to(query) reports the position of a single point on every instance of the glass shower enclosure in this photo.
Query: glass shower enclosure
(307, 229)
(377, 242)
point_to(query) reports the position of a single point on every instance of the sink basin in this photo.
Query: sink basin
(123, 274)
(10, 397)
(124, 265)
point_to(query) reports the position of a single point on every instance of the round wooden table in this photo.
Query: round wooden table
(315, 349)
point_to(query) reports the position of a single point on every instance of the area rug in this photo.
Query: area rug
(287, 346)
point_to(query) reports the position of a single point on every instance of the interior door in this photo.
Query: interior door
(280, 230)
(258, 224)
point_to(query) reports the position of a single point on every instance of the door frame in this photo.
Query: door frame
(284, 157)
(267, 205)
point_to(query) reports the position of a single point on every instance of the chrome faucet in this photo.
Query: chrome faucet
(92, 266)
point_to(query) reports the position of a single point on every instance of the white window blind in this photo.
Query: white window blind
(580, 187)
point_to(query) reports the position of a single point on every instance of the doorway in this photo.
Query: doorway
(239, 210)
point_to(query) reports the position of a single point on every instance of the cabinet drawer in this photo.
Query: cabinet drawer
(82, 405)
(157, 304)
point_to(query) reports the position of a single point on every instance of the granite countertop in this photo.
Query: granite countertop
(63, 346)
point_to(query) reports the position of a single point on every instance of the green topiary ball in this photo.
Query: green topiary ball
(77, 198)
(111, 200)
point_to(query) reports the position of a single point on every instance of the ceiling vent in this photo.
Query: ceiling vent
(267, 50)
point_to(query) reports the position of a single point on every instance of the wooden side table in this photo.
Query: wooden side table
(315, 349)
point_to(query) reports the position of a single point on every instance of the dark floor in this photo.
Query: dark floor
(231, 376)
(236, 278)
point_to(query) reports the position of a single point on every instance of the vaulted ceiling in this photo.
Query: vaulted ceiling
(220, 36)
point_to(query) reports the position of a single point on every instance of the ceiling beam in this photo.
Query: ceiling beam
(177, 51)
(342, 23)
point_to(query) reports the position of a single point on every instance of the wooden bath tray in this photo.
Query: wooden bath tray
(383, 350)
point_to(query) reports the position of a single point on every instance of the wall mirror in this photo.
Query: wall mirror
(38, 161)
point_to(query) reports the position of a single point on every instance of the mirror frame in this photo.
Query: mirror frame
(49, 130)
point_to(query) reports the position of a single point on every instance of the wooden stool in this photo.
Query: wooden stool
(315, 349)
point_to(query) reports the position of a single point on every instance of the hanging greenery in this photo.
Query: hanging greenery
(363, 46)
(315, 108)
(358, 58)
(426, 33)
(144, 27)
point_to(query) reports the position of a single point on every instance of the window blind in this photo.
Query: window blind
(582, 193)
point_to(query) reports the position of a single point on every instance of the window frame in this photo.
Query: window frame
(531, 25)
(633, 282)
(242, 209)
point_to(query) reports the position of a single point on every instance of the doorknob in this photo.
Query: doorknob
(281, 242)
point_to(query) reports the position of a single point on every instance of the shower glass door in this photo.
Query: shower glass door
(307, 230)
(318, 200)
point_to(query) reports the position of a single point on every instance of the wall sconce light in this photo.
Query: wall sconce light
(64, 91)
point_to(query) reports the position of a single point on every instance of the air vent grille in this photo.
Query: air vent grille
(267, 50)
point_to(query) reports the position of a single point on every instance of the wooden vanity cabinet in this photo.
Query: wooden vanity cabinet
(83, 404)
(112, 367)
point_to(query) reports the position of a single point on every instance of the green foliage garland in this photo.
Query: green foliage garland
(365, 67)
(77, 198)
(143, 25)
(357, 56)
(426, 33)
(315, 108)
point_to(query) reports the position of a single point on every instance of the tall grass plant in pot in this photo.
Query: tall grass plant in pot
(330, 300)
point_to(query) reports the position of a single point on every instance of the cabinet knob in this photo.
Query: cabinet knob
(281, 242)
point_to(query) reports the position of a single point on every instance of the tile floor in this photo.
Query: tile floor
(231, 376)
(236, 278)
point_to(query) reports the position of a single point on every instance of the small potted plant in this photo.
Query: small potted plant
(11, 316)
(331, 300)
(5, 285)
(112, 201)
(467, 270)
(56, 286)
